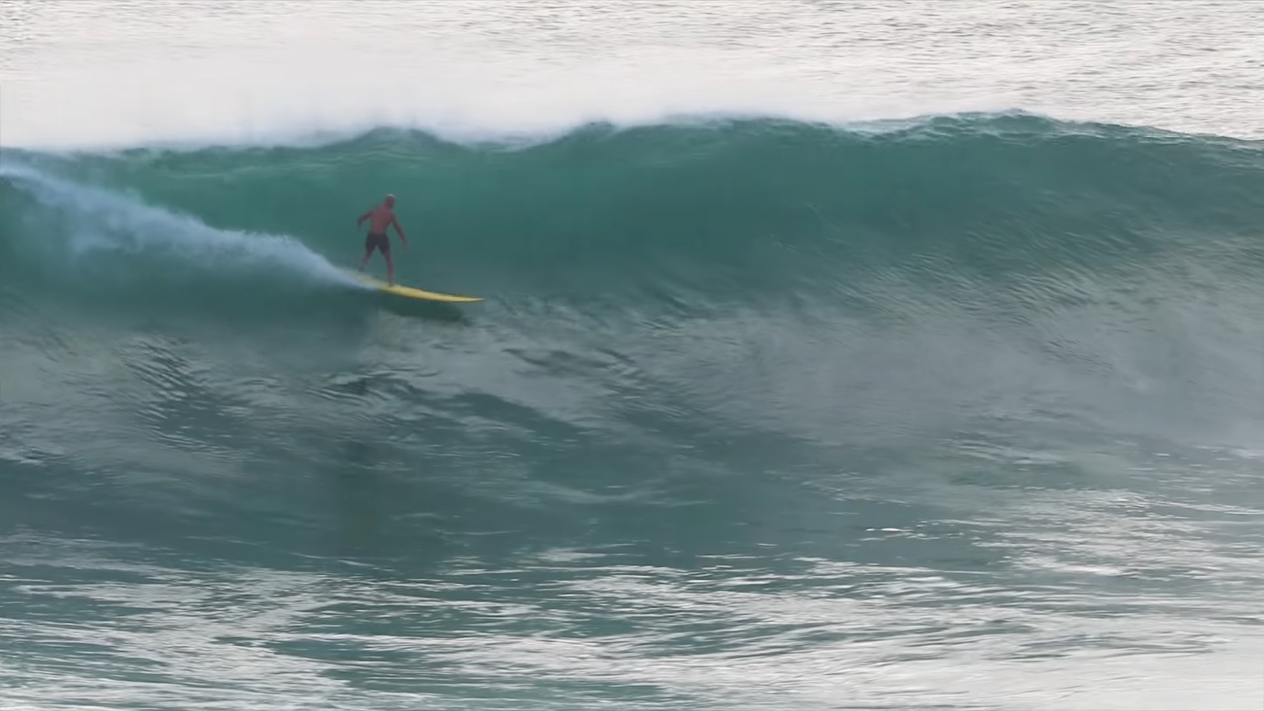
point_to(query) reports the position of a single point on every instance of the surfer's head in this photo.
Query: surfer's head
(389, 201)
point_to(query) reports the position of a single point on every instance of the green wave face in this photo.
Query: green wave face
(654, 291)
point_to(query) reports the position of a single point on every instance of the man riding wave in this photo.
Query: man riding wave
(380, 220)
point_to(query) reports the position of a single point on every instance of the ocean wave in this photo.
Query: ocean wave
(984, 259)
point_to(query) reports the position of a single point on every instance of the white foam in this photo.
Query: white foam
(117, 73)
(469, 72)
(107, 221)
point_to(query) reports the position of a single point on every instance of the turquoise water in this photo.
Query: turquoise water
(865, 356)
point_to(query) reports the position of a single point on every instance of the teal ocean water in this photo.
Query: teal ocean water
(872, 355)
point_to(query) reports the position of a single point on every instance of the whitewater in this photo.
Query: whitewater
(833, 356)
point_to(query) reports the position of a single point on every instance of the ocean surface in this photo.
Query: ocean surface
(834, 355)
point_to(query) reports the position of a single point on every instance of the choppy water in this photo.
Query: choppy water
(868, 355)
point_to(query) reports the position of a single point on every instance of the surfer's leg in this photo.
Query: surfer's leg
(384, 246)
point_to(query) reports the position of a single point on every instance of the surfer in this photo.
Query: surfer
(380, 219)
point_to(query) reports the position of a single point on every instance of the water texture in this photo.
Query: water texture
(952, 407)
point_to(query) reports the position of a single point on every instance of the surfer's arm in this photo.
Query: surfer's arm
(400, 231)
(363, 217)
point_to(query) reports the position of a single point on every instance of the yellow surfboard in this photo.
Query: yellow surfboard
(408, 291)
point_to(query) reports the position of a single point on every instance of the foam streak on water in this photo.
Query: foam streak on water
(96, 221)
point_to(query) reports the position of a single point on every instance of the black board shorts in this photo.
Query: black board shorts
(378, 241)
